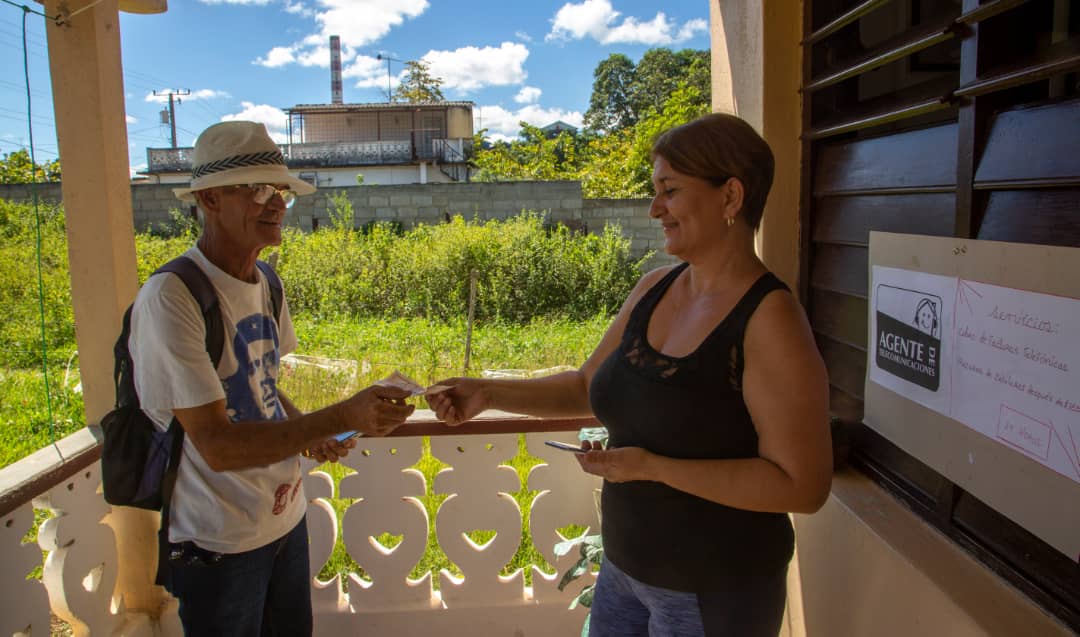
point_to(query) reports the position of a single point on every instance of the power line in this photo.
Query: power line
(13, 85)
(25, 147)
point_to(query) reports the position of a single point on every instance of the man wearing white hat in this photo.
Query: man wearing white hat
(238, 545)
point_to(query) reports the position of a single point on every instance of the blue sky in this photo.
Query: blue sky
(517, 60)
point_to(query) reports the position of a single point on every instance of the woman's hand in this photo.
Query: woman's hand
(616, 465)
(465, 398)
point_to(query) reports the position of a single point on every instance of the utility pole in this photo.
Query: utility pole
(389, 93)
(172, 112)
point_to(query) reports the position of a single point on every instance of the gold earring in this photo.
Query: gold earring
(730, 221)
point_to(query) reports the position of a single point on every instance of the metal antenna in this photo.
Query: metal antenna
(389, 93)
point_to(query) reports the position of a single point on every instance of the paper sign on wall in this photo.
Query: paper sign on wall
(1002, 361)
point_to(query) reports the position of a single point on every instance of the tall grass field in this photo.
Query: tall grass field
(364, 303)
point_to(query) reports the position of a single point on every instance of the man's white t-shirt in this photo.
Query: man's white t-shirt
(226, 511)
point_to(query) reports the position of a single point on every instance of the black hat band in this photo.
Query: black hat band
(266, 158)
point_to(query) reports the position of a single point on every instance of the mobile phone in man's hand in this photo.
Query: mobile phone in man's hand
(345, 435)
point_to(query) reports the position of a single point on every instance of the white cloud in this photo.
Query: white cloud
(298, 8)
(277, 56)
(465, 69)
(315, 56)
(691, 28)
(134, 169)
(576, 21)
(527, 95)
(371, 73)
(259, 3)
(504, 125)
(274, 118)
(358, 23)
(523, 36)
(469, 68)
(162, 96)
(598, 20)
(657, 31)
(130, 119)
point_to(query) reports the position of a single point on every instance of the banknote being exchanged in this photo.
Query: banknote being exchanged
(401, 381)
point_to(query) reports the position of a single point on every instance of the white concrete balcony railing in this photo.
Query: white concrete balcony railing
(348, 153)
(422, 146)
(80, 573)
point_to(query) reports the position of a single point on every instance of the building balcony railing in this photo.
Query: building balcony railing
(79, 580)
(421, 147)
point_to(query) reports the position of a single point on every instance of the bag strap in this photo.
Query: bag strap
(122, 373)
(276, 291)
(198, 284)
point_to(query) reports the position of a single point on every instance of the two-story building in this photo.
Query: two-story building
(344, 144)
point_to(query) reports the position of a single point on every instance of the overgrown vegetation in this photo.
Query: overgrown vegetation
(387, 297)
(17, 168)
(370, 301)
(524, 271)
(630, 106)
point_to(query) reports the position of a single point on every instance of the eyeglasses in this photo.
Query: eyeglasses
(262, 193)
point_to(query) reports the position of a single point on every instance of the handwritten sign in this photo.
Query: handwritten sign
(1002, 361)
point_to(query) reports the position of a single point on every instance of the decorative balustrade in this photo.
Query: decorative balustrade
(81, 568)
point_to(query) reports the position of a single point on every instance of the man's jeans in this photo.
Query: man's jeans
(262, 592)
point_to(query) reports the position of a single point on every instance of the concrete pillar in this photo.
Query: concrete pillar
(756, 71)
(88, 98)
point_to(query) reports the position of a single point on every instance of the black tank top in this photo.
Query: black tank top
(685, 407)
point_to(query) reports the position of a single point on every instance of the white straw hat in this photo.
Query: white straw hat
(237, 153)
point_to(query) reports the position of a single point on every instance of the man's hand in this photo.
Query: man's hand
(375, 411)
(330, 450)
(464, 399)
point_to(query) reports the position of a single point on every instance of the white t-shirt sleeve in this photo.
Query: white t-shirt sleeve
(168, 348)
(287, 342)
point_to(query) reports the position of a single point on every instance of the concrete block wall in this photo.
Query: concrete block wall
(25, 192)
(411, 204)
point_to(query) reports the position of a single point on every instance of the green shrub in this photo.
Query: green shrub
(524, 269)
(542, 293)
(21, 329)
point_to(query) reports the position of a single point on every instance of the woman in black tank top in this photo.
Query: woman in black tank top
(715, 399)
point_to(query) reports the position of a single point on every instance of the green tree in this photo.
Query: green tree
(610, 158)
(16, 168)
(685, 104)
(623, 93)
(419, 84)
(698, 72)
(610, 104)
(533, 157)
(609, 168)
(661, 71)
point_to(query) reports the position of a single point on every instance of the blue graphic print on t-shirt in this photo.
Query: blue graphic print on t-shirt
(256, 360)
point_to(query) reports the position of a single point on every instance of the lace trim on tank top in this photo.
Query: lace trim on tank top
(642, 356)
(639, 354)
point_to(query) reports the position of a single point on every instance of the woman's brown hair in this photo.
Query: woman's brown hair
(717, 147)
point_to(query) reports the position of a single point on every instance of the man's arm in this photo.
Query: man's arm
(330, 449)
(228, 446)
(291, 410)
